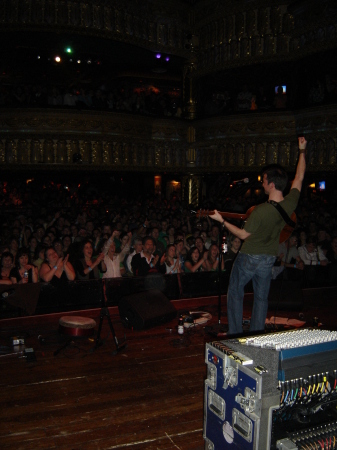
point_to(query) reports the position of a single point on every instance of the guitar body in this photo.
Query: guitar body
(287, 229)
(285, 233)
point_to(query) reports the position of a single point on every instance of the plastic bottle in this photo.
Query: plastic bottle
(181, 325)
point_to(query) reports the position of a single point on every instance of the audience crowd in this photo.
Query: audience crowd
(146, 100)
(166, 101)
(252, 98)
(53, 234)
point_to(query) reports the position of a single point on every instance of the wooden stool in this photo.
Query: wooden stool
(77, 326)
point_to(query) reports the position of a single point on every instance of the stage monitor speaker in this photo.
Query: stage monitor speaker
(145, 309)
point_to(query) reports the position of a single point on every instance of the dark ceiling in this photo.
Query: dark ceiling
(35, 52)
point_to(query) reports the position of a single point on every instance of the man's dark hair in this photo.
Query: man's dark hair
(277, 175)
(148, 238)
(311, 240)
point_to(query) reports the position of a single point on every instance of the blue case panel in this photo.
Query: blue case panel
(220, 430)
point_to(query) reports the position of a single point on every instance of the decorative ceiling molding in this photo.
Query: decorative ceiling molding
(231, 33)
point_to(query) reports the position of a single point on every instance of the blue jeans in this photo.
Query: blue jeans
(245, 268)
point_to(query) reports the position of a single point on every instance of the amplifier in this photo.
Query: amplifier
(274, 391)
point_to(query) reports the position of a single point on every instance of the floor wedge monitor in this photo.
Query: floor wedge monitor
(145, 309)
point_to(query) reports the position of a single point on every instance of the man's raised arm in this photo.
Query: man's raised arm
(300, 170)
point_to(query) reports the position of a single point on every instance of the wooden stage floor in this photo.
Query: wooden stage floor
(148, 396)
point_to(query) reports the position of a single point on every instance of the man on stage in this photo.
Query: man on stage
(261, 235)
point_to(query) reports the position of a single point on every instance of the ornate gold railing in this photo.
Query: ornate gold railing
(157, 26)
(47, 138)
(233, 34)
(250, 141)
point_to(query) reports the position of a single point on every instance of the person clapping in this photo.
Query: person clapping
(194, 261)
(87, 267)
(172, 263)
(56, 269)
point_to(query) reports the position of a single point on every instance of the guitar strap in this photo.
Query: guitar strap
(282, 212)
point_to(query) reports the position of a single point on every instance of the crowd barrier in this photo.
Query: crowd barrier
(44, 298)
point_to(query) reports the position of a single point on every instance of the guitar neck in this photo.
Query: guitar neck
(230, 215)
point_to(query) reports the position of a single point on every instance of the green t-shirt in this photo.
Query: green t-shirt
(265, 225)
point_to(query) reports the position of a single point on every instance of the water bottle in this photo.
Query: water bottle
(181, 325)
(224, 245)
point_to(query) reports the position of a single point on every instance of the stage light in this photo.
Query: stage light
(38, 57)
(167, 59)
(78, 61)
(89, 61)
(158, 55)
(57, 59)
(68, 50)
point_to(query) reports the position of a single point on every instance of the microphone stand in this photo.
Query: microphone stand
(219, 328)
(120, 345)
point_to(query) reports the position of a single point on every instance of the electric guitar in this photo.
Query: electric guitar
(284, 235)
